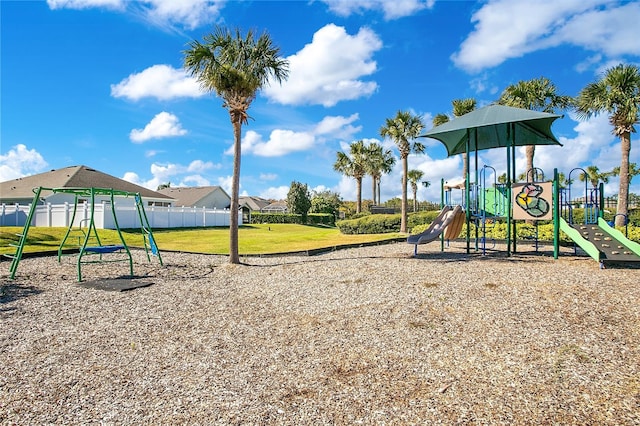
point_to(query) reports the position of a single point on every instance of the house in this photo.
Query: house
(276, 207)
(211, 197)
(251, 204)
(20, 190)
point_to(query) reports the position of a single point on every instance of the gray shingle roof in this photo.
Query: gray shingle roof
(71, 177)
(190, 195)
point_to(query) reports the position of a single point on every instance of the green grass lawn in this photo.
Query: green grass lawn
(253, 239)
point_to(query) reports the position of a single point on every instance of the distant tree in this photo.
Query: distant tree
(538, 94)
(563, 182)
(633, 171)
(354, 164)
(617, 93)
(403, 130)
(593, 176)
(379, 161)
(414, 176)
(439, 119)
(325, 202)
(394, 202)
(299, 200)
(163, 186)
(460, 108)
(235, 68)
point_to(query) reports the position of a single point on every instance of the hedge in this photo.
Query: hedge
(312, 218)
(419, 222)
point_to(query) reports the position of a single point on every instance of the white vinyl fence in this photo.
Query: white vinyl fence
(48, 215)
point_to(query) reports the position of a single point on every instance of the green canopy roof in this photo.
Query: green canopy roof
(495, 126)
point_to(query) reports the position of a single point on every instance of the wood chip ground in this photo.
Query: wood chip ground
(365, 335)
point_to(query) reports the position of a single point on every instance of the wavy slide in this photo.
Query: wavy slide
(603, 243)
(448, 216)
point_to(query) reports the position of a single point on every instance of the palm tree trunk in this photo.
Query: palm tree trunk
(378, 187)
(465, 159)
(623, 192)
(530, 151)
(415, 198)
(373, 183)
(359, 195)
(405, 170)
(234, 256)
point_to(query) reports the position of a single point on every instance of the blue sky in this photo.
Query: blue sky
(100, 83)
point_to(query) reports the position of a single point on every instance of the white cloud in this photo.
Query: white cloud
(391, 9)
(283, 142)
(164, 13)
(163, 125)
(613, 31)
(506, 29)
(85, 4)
(275, 193)
(338, 127)
(200, 166)
(329, 69)
(177, 174)
(593, 135)
(226, 183)
(193, 180)
(162, 82)
(189, 13)
(20, 161)
(268, 176)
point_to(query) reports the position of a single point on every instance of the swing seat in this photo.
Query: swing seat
(104, 249)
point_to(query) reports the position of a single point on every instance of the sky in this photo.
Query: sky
(101, 83)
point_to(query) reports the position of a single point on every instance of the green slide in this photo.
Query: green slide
(605, 244)
(494, 202)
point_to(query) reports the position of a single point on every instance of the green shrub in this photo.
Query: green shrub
(276, 218)
(421, 218)
(312, 218)
(321, 219)
(370, 224)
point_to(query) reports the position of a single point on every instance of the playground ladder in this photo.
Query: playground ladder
(15, 258)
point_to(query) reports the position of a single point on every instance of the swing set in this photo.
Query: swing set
(90, 248)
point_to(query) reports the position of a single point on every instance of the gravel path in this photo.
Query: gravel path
(367, 335)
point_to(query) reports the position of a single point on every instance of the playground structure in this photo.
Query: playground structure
(95, 251)
(487, 204)
(498, 126)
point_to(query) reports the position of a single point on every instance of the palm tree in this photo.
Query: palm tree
(439, 119)
(414, 176)
(235, 68)
(460, 108)
(380, 161)
(593, 176)
(403, 129)
(617, 93)
(354, 165)
(538, 94)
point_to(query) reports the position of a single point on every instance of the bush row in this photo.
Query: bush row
(419, 222)
(312, 218)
